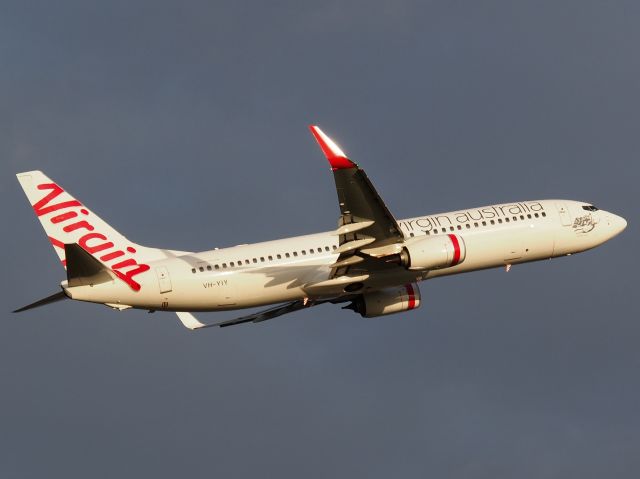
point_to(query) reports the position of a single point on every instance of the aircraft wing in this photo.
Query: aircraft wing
(366, 227)
(270, 313)
(190, 321)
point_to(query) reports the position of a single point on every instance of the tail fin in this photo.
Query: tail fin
(66, 221)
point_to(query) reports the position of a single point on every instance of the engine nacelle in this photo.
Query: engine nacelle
(387, 301)
(433, 252)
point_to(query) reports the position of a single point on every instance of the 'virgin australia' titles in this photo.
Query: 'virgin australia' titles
(428, 223)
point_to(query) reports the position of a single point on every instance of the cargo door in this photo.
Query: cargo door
(514, 248)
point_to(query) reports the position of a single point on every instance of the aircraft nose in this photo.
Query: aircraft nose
(618, 223)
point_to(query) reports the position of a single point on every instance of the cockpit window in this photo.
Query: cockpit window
(589, 208)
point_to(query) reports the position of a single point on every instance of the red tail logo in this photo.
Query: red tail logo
(92, 241)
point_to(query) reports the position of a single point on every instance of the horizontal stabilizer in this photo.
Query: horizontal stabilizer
(49, 299)
(83, 269)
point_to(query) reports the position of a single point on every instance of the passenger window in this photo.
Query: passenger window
(468, 225)
(529, 216)
(217, 266)
(193, 270)
(459, 227)
(295, 253)
(427, 233)
(232, 264)
(246, 261)
(451, 228)
(208, 267)
(493, 222)
(411, 234)
(304, 253)
(515, 218)
(475, 225)
(335, 247)
(484, 223)
(326, 248)
(201, 269)
(500, 220)
(319, 250)
(287, 255)
(536, 215)
(224, 265)
(506, 220)
(543, 214)
(255, 260)
(270, 258)
(262, 259)
(311, 251)
(279, 256)
(521, 217)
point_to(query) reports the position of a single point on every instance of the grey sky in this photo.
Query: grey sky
(183, 124)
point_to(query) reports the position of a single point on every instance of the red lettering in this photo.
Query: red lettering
(64, 217)
(77, 226)
(113, 255)
(43, 207)
(127, 276)
(39, 207)
(83, 241)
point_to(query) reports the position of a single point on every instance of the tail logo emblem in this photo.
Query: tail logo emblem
(71, 216)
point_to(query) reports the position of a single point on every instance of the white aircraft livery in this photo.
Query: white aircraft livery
(371, 262)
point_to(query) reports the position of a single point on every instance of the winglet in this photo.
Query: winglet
(336, 157)
(190, 321)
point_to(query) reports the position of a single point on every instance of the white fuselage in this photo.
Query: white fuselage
(277, 271)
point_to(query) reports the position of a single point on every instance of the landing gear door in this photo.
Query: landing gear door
(163, 279)
(564, 213)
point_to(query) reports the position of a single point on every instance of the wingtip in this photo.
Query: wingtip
(189, 321)
(336, 157)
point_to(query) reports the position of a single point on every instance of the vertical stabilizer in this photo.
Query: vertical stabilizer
(68, 221)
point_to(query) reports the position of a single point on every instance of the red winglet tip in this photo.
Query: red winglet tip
(336, 157)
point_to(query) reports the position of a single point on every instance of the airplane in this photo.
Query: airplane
(371, 263)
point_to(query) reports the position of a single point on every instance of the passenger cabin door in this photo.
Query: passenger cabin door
(565, 215)
(163, 279)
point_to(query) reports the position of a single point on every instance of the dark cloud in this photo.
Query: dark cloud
(184, 125)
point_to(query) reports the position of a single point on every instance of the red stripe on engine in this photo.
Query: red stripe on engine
(456, 249)
(412, 296)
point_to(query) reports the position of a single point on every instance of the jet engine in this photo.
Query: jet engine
(432, 252)
(386, 301)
